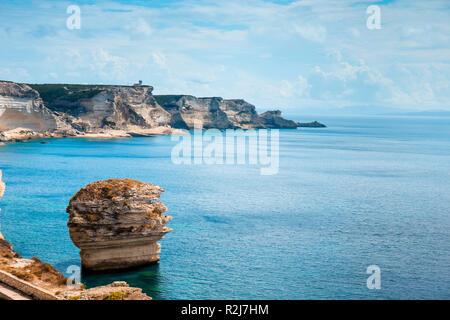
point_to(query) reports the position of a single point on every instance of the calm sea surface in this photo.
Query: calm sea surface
(364, 191)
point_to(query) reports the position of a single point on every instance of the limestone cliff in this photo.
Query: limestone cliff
(211, 112)
(219, 113)
(57, 110)
(88, 108)
(116, 223)
(22, 107)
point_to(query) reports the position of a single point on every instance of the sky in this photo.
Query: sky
(296, 56)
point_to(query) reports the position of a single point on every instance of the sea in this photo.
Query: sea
(357, 210)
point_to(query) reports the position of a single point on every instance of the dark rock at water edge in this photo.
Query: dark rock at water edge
(314, 124)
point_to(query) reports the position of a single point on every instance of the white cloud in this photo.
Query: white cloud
(160, 59)
(251, 49)
(298, 88)
(109, 66)
(139, 27)
(311, 33)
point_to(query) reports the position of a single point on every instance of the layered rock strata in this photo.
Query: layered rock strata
(218, 113)
(65, 110)
(116, 223)
(88, 108)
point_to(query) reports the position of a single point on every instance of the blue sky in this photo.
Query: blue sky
(305, 56)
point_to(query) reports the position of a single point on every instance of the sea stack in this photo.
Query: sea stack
(2, 191)
(116, 223)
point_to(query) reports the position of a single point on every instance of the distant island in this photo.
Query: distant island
(102, 111)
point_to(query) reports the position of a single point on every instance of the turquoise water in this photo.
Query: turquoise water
(363, 191)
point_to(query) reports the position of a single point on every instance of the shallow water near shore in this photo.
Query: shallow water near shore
(364, 191)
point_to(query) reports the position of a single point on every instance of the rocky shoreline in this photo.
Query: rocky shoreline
(24, 134)
(115, 223)
(97, 111)
(43, 277)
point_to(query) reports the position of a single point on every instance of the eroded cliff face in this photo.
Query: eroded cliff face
(56, 110)
(212, 113)
(128, 108)
(22, 107)
(116, 223)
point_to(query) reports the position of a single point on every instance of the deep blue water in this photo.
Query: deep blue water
(362, 191)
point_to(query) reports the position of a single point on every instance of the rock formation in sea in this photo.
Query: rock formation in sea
(42, 277)
(60, 110)
(116, 223)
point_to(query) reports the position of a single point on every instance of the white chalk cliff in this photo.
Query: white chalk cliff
(22, 107)
(58, 110)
